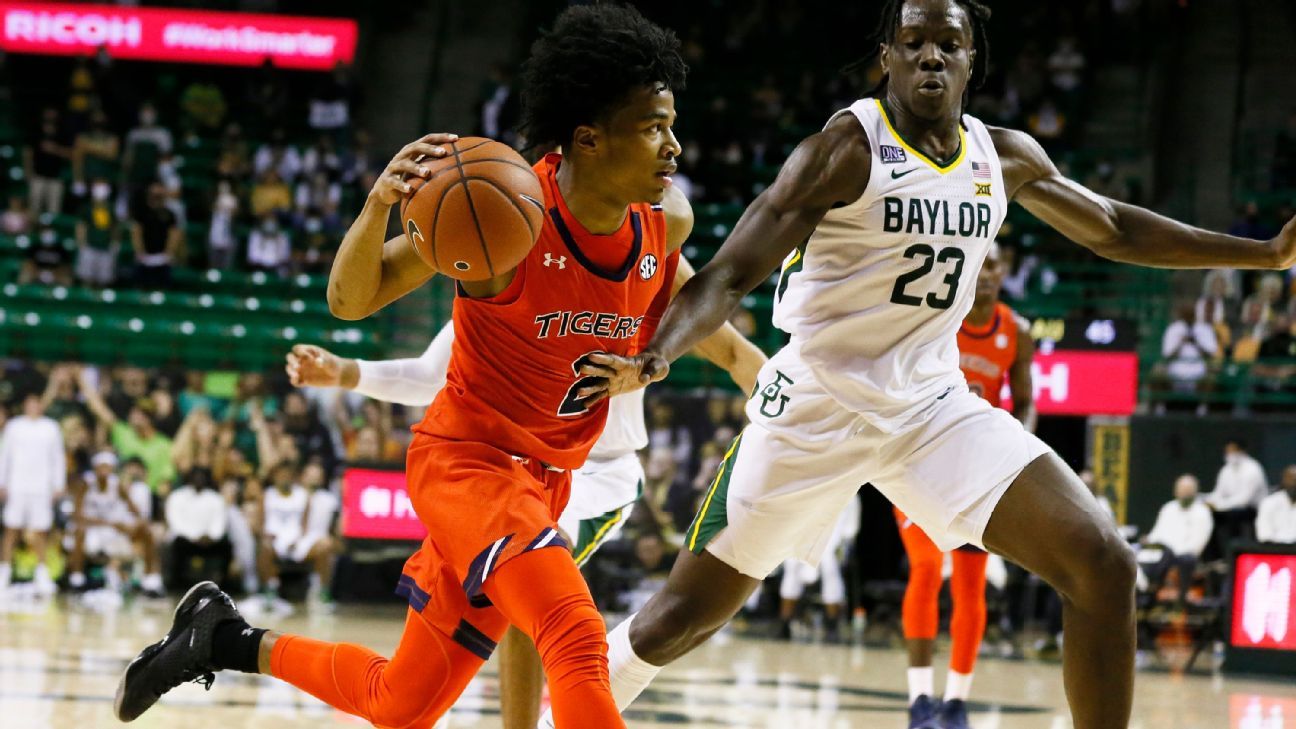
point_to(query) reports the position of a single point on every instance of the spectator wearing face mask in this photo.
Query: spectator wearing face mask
(269, 247)
(1182, 531)
(145, 146)
(98, 236)
(1239, 487)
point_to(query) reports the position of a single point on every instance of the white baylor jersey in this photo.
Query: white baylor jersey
(874, 298)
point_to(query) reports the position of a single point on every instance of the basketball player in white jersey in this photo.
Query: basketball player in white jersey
(882, 220)
(297, 519)
(604, 490)
(99, 529)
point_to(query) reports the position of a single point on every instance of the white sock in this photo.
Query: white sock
(629, 673)
(76, 579)
(920, 683)
(314, 581)
(6, 573)
(152, 582)
(958, 686)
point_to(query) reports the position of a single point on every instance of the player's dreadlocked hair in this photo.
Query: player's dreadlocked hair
(889, 22)
(592, 58)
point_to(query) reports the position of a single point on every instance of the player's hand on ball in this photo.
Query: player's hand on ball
(309, 365)
(623, 374)
(1285, 245)
(391, 184)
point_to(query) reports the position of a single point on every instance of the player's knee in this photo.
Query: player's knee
(572, 642)
(1104, 572)
(383, 703)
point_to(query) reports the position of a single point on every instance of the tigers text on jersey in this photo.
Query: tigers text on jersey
(874, 298)
(986, 354)
(512, 378)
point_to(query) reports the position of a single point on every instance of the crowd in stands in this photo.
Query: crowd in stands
(116, 188)
(1241, 318)
(1195, 528)
(212, 474)
(746, 107)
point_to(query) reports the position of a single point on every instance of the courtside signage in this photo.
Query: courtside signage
(1070, 382)
(1264, 602)
(166, 34)
(376, 505)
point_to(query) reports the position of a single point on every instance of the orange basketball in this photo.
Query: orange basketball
(477, 213)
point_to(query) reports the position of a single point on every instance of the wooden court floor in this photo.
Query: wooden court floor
(59, 665)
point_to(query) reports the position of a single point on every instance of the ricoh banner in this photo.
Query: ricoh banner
(165, 34)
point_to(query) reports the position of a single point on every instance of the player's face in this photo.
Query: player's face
(638, 150)
(990, 279)
(930, 61)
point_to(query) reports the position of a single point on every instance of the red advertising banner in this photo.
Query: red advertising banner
(1264, 602)
(375, 505)
(1069, 382)
(165, 34)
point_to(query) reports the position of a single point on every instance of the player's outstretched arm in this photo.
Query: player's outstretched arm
(727, 348)
(369, 273)
(827, 169)
(407, 381)
(1122, 232)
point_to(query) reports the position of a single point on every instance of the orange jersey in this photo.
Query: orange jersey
(511, 380)
(986, 354)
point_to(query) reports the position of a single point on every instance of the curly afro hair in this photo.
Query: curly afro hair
(592, 58)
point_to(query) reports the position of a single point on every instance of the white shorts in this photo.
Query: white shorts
(29, 511)
(603, 494)
(106, 541)
(786, 479)
(294, 546)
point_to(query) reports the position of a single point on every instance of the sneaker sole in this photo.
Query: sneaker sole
(121, 684)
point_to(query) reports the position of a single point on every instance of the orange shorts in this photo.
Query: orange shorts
(482, 507)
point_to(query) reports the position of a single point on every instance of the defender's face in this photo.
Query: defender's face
(638, 149)
(931, 58)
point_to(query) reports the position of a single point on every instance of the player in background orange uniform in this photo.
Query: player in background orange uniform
(994, 343)
(488, 468)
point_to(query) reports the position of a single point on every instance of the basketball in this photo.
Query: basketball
(477, 213)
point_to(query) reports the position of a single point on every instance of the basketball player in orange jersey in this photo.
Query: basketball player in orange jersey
(489, 466)
(994, 343)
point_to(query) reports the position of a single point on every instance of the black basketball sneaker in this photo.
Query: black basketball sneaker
(183, 655)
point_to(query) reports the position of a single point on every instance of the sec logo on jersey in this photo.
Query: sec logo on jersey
(648, 267)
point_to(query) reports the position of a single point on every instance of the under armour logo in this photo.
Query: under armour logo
(560, 260)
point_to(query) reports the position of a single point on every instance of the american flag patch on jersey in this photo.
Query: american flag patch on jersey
(980, 170)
